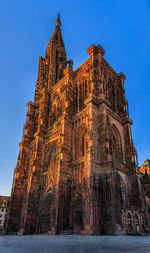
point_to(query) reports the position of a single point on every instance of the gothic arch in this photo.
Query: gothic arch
(129, 223)
(78, 211)
(116, 144)
(111, 93)
(79, 143)
(50, 167)
(136, 219)
(47, 209)
(45, 212)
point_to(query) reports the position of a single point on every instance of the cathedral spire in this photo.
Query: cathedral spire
(56, 54)
(57, 35)
(58, 22)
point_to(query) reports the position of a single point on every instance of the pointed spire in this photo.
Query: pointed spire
(57, 36)
(56, 54)
(58, 22)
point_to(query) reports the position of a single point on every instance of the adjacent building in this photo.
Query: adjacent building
(77, 167)
(3, 211)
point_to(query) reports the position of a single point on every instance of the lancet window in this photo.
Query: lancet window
(116, 145)
(120, 189)
(76, 99)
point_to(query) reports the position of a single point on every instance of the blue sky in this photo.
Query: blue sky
(121, 27)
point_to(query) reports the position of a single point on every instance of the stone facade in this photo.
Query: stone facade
(77, 167)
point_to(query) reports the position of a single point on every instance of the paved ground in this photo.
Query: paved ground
(73, 244)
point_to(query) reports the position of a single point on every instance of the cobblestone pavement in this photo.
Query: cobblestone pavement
(72, 244)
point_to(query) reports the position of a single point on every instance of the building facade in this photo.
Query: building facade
(3, 211)
(77, 166)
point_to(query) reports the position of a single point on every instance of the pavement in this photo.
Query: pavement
(74, 243)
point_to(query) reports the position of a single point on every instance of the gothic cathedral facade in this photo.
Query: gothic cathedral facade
(77, 166)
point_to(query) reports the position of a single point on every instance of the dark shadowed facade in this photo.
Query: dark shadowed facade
(77, 167)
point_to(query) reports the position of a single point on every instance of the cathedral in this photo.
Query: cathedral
(77, 168)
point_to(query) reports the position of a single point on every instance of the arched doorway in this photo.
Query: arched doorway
(46, 212)
(137, 223)
(78, 212)
(129, 223)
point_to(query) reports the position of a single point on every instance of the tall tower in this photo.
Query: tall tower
(77, 166)
(52, 66)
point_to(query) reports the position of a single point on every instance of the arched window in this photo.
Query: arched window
(116, 144)
(120, 189)
(86, 89)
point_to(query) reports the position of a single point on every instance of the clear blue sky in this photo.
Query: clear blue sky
(122, 27)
